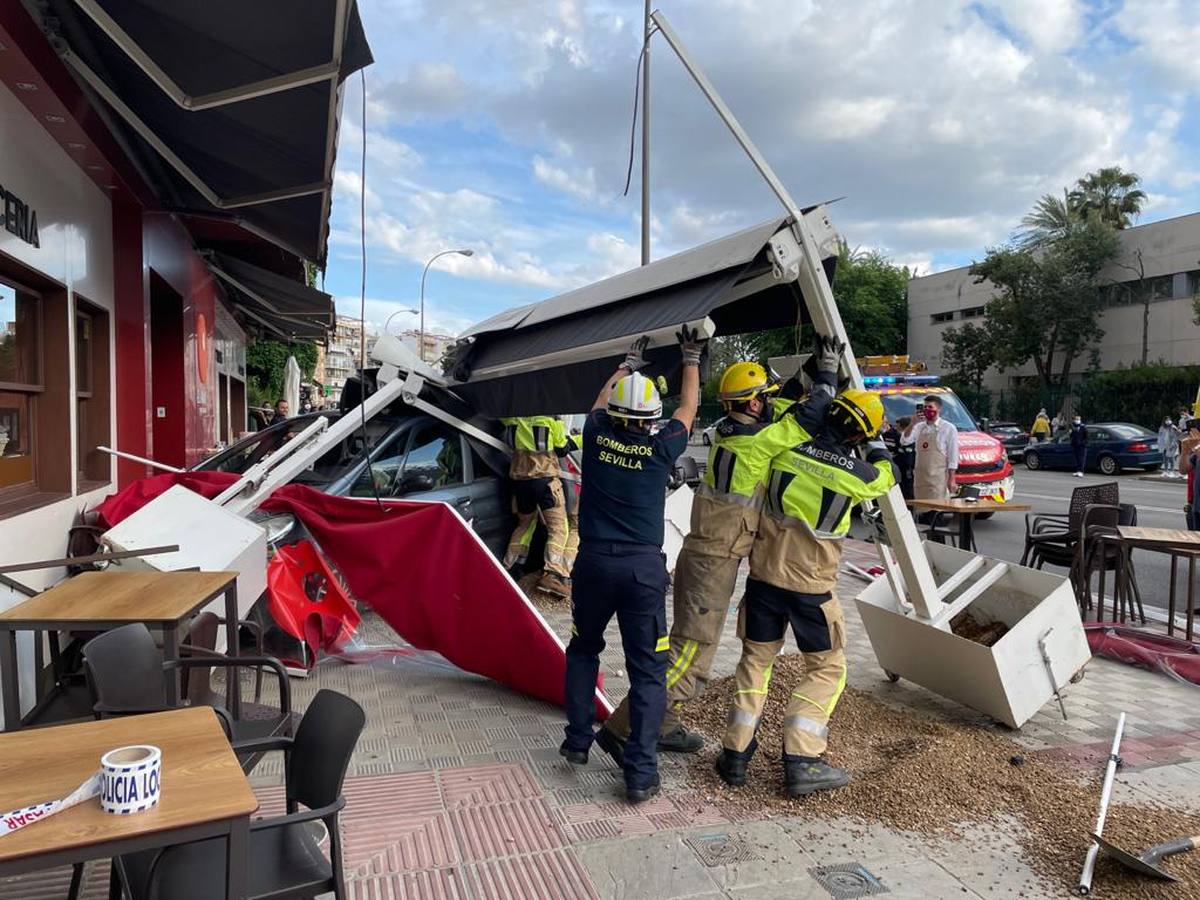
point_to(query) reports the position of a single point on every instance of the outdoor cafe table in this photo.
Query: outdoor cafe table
(100, 601)
(967, 510)
(204, 793)
(1176, 543)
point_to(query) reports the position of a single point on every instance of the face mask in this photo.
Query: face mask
(1078, 421)
(929, 414)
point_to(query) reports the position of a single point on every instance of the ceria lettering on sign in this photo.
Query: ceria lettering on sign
(19, 218)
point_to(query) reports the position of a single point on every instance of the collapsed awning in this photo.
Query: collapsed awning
(551, 357)
(285, 308)
(227, 107)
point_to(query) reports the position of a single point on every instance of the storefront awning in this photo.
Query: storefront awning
(285, 309)
(551, 357)
(227, 107)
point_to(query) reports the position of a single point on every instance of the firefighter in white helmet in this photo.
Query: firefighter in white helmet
(620, 569)
(725, 514)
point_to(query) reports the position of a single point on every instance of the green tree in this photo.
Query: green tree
(265, 360)
(1049, 301)
(872, 295)
(1049, 220)
(1110, 193)
(967, 353)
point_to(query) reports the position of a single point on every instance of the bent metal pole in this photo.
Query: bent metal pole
(1089, 861)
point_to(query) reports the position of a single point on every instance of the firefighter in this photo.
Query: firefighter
(811, 492)
(536, 442)
(725, 513)
(570, 489)
(621, 568)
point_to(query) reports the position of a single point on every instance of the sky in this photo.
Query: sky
(504, 126)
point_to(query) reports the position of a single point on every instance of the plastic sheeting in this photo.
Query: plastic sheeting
(1176, 657)
(306, 599)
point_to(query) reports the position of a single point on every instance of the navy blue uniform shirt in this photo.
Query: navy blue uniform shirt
(624, 483)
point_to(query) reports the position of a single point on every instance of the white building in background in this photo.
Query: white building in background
(1171, 255)
(431, 348)
(343, 354)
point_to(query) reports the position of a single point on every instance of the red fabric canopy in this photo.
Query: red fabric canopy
(422, 568)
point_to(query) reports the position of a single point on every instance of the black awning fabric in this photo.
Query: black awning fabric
(284, 308)
(265, 144)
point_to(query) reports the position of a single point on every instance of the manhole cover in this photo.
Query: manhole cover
(847, 881)
(720, 849)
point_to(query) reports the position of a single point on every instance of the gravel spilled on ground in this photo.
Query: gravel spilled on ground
(920, 774)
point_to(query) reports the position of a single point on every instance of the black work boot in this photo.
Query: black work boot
(732, 764)
(641, 795)
(574, 757)
(808, 774)
(680, 740)
(612, 745)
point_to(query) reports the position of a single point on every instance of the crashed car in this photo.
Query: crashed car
(402, 454)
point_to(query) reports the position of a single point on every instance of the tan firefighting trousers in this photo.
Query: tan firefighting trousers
(813, 699)
(703, 587)
(557, 534)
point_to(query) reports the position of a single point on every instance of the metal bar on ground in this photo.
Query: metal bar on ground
(1110, 771)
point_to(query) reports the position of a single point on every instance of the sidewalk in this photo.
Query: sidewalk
(457, 792)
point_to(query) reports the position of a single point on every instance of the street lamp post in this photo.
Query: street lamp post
(424, 272)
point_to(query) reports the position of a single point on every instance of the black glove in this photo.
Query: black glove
(691, 345)
(828, 353)
(634, 359)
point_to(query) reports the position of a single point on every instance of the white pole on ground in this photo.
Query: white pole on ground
(1089, 861)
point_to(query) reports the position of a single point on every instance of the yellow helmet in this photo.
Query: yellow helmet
(859, 410)
(744, 381)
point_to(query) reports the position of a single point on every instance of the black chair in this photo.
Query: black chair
(1072, 555)
(1107, 557)
(1055, 533)
(285, 859)
(125, 672)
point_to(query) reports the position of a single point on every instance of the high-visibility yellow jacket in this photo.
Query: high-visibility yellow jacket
(811, 490)
(725, 510)
(536, 442)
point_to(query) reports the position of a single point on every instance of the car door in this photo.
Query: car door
(490, 509)
(1100, 441)
(1056, 454)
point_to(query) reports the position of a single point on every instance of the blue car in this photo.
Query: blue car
(1111, 447)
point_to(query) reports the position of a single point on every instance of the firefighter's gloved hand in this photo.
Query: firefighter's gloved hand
(634, 359)
(691, 345)
(877, 451)
(828, 353)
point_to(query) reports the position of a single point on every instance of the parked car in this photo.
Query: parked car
(1111, 447)
(706, 436)
(403, 454)
(1011, 436)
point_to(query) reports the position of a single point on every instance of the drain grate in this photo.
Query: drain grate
(847, 881)
(720, 849)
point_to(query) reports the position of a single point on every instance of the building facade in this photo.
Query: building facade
(346, 346)
(431, 346)
(1170, 256)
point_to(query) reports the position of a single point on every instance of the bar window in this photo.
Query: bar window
(20, 385)
(92, 409)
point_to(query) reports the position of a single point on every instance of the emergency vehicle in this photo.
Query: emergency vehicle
(902, 385)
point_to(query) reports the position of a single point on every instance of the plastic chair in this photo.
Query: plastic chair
(286, 859)
(1054, 533)
(125, 671)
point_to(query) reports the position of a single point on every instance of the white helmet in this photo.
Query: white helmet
(635, 397)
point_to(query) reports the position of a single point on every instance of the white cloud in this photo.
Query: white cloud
(1167, 33)
(379, 311)
(580, 184)
(1051, 26)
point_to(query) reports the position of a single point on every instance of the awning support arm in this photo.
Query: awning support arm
(805, 265)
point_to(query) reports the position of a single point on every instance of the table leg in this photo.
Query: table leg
(8, 675)
(1191, 612)
(1102, 549)
(171, 654)
(1171, 597)
(114, 882)
(233, 685)
(966, 536)
(237, 847)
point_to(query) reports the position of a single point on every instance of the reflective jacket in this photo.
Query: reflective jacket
(725, 510)
(811, 491)
(537, 443)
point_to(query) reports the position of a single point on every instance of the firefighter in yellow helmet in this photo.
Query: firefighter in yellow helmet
(811, 490)
(537, 443)
(725, 514)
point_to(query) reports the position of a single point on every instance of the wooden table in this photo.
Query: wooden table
(1176, 543)
(205, 794)
(967, 510)
(100, 601)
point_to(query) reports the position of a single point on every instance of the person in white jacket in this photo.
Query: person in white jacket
(935, 442)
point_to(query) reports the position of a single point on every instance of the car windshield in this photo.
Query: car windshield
(246, 453)
(1130, 431)
(953, 411)
(1006, 429)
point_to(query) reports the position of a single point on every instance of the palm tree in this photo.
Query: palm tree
(1050, 219)
(1110, 193)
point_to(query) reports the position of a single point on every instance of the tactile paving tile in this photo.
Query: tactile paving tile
(486, 784)
(505, 829)
(540, 876)
(432, 884)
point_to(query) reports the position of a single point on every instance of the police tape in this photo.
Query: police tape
(129, 781)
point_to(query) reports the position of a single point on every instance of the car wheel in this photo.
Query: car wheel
(1033, 460)
(1109, 465)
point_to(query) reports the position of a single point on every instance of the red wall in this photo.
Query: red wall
(132, 315)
